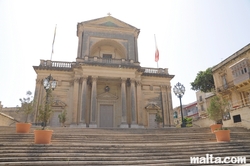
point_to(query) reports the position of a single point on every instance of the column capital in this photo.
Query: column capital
(123, 80)
(138, 82)
(132, 80)
(94, 78)
(83, 78)
(39, 81)
(77, 79)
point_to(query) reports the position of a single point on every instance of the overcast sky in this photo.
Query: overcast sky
(191, 35)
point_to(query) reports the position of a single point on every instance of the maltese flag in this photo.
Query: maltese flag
(156, 55)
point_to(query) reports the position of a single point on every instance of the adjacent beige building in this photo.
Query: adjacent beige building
(232, 81)
(106, 86)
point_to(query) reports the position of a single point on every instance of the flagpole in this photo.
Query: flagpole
(156, 50)
(53, 44)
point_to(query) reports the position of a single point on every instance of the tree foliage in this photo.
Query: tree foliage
(204, 81)
(45, 110)
(27, 105)
(158, 117)
(63, 117)
(218, 106)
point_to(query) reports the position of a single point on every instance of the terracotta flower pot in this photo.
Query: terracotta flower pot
(23, 127)
(222, 135)
(215, 126)
(43, 136)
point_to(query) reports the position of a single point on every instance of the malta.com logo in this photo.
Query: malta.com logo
(210, 159)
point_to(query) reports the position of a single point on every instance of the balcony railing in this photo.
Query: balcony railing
(225, 86)
(155, 70)
(56, 64)
(99, 60)
(68, 65)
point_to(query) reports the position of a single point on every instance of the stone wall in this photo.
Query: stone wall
(203, 122)
(6, 120)
(245, 116)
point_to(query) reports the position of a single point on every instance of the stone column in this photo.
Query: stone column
(93, 122)
(139, 104)
(133, 105)
(83, 102)
(75, 101)
(124, 123)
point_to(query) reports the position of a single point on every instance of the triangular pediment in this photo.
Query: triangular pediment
(108, 21)
(152, 106)
(107, 96)
(59, 103)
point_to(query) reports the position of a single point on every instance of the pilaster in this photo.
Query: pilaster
(37, 98)
(139, 103)
(79, 45)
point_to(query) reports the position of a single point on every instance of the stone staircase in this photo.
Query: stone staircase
(146, 147)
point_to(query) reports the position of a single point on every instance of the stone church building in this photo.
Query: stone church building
(106, 86)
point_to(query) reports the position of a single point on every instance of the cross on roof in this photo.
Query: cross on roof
(108, 14)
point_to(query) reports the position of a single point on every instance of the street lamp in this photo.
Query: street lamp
(179, 91)
(48, 83)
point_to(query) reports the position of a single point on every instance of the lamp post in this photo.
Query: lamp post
(48, 83)
(179, 91)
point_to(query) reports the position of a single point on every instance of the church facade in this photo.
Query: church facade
(106, 86)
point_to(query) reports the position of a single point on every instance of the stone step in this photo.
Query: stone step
(156, 147)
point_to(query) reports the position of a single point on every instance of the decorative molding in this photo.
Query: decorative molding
(59, 103)
(107, 96)
(138, 82)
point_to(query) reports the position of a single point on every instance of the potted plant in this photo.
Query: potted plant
(43, 135)
(158, 119)
(26, 109)
(62, 118)
(222, 135)
(216, 110)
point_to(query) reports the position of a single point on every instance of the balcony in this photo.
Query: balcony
(242, 78)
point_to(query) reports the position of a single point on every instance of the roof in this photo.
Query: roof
(108, 22)
(236, 54)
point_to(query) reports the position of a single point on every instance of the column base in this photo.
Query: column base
(92, 125)
(134, 125)
(81, 125)
(124, 125)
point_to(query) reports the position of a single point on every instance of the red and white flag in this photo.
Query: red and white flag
(156, 55)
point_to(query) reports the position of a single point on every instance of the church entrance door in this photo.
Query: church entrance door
(106, 115)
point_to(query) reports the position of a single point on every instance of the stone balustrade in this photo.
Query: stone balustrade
(68, 65)
(155, 70)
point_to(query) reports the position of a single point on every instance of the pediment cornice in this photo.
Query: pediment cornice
(107, 96)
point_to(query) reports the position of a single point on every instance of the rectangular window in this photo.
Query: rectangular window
(107, 56)
(237, 118)
(200, 98)
(202, 108)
